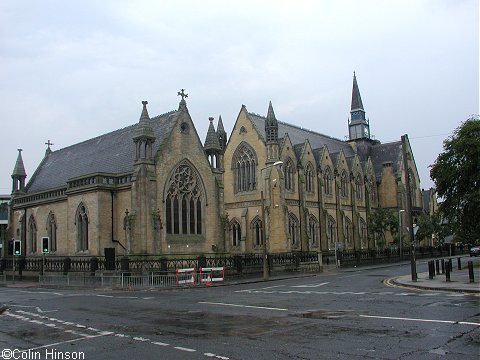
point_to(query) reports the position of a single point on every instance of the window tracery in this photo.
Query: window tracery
(245, 169)
(184, 202)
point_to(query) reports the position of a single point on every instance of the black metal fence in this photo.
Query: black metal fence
(234, 264)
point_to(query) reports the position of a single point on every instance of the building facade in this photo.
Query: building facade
(155, 188)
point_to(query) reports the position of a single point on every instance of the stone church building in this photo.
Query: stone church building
(155, 188)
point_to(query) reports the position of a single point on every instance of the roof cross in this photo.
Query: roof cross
(182, 94)
(48, 143)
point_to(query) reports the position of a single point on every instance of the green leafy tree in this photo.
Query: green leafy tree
(381, 220)
(456, 173)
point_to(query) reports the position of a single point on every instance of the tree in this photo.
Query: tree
(381, 220)
(456, 173)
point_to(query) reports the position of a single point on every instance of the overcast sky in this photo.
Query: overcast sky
(73, 70)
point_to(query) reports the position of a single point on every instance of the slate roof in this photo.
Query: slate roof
(298, 135)
(113, 152)
(389, 152)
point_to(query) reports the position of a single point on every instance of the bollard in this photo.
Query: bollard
(443, 266)
(470, 272)
(447, 271)
(431, 270)
(450, 264)
(459, 263)
(437, 264)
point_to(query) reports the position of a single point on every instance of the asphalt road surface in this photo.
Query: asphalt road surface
(335, 315)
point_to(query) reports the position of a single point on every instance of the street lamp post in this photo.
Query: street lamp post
(400, 231)
(266, 274)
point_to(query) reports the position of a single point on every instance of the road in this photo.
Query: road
(341, 314)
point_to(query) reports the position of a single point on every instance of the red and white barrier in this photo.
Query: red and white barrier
(186, 276)
(211, 275)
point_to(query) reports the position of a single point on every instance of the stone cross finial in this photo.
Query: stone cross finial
(182, 94)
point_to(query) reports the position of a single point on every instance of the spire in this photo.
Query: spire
(358, 126)
(271, 119)
(144, 129)
(19, 174)
(356, 98)
(144, 137)
(144, 116)
(19, 169)
(221, 134)
(211, 142)
(271, 134)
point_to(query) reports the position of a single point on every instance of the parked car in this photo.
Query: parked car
(475, 251)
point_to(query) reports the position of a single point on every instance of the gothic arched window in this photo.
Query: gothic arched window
(363, 233)
(82, 228)
(293, 230)
(359, 187)
(348, 229)
(373, 190)
(235, 233)
(244, 166)
(331, 233)
(52, 231)
(327, 181)
(344, 184)
(256, 227)
(289, 171)
(32, 234)
(309, 178)
(184, 202)
(313, 231)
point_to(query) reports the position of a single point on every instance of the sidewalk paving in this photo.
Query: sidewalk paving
(459, 281)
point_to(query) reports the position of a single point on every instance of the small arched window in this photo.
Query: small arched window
(257, 231)
(331, 233)
(82, 228)
(327, 181)
(235, 233)
(359, 187)
(344, 184)
(289, 171)
(309, 178)
(313, 231)
(293, 230)
(348, 232)
(363, 233)
(32, 234)
(373, 190)
(52, 231)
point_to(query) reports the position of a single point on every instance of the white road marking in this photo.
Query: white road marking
(242, 306)
(61, 343)
(311, 286)
(139, 338)
(99, 333)
(184, 349)
(421, 320)
(216, 356)
(160, 343)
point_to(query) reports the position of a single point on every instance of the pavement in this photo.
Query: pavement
(459, 281)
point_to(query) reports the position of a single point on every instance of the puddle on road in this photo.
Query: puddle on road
(196, 323)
